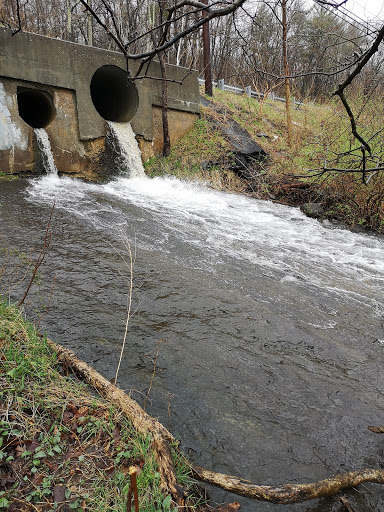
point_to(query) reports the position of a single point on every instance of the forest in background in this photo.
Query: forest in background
(323, 44)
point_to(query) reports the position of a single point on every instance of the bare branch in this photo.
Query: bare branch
(331, 4)
(104, 26)
(289, 493)
(164, 44)
(340, 92)
(363, 61)
(41, 257)
(211, 15)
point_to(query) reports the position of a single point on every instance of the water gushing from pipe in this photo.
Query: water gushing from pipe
(126, 149)
(45, 151)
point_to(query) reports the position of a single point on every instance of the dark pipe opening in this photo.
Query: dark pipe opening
(35, 107)
(114, 95)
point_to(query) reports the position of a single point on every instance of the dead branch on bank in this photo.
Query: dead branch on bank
(144, 424)
(290, 493)
(162, 440)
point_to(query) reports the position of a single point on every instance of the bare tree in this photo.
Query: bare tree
(287, 89)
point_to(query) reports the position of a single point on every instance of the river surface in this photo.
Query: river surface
(270, 365)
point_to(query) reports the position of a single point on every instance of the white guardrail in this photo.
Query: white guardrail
(220, 84)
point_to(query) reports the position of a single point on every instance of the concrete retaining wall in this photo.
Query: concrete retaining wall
(59, 74)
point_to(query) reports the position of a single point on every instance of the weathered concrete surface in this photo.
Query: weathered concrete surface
(64, 70)
(180, 123)
(18, 149)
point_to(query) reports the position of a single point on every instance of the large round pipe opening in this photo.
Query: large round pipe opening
(35, 107)
(114, 95)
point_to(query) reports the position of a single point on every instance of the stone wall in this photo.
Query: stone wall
(57, 76)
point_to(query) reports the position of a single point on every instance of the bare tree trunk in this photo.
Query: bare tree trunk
(207, 56)
(89, 25)
(69, 20)
(164, 108)
(286, 72)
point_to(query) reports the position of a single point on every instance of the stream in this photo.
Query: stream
(267, 327)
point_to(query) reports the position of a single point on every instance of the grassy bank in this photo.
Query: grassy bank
(62, 447)
(321, 134)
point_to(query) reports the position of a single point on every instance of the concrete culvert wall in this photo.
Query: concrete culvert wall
(114, 95)
(35, 107)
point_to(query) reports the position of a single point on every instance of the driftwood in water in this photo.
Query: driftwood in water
(376, 430)
(162, 439)
(290, 493)
(143, 423)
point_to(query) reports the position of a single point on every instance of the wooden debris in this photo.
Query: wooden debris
(376, 430)
(143, 423)
(162, 440)
(290, 493)
(344, 501)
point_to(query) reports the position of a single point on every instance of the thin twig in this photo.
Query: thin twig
(130, 265)
(41, 257)
(49, 302)
(153, 372)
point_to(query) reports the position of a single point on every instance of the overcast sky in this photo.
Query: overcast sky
(366, 9)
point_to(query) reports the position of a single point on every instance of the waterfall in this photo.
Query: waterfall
(127, 151)
(45, 151)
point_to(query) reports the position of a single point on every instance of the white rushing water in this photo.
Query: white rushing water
(273, 321)
(127, 151)
(45, 151)
(279, 241)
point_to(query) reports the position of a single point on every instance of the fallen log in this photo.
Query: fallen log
(289, 493)
(162, 440)
(144, 424)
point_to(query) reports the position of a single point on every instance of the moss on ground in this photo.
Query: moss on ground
(7, 177)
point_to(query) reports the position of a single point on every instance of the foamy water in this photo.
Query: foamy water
(126, 149)
(273, 322)
(275, 238)
(45, 151)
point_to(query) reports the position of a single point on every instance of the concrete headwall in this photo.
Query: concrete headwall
(60, 74)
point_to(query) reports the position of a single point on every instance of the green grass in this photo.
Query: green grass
(321, 137)
(202, 155)
(59, 439)
(7, 177)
